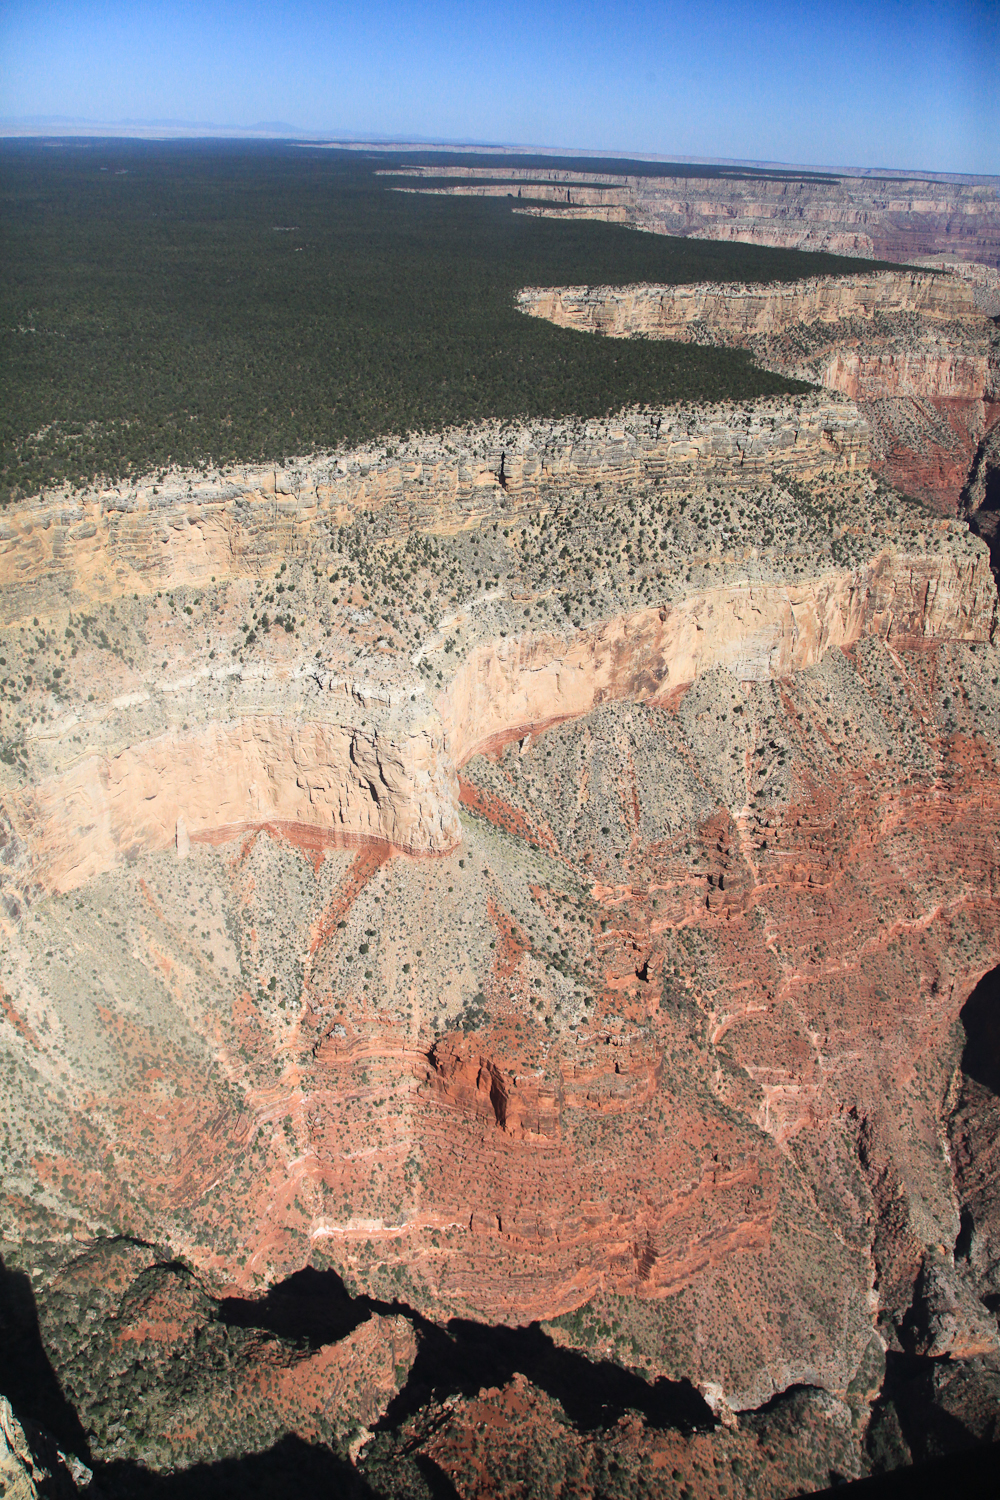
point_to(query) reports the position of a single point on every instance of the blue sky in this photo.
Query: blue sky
(885, 83)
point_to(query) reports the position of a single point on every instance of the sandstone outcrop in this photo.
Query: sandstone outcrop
(336, 784)
(732, 312)
(506, 691)
(187, 532)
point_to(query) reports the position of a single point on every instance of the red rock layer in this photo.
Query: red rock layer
(756, 1094)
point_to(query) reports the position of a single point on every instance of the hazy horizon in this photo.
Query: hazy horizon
(902, 86)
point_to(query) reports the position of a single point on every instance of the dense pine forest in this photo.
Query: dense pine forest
(199, 303)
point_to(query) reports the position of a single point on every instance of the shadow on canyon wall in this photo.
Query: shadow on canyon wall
(957, 1476)
(980, 498)
(314, 1307)
(980, 1015)
(292, 1467)
(27, 1378)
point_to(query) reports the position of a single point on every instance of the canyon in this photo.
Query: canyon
(509, 912)
(891, 217)
(918, 352)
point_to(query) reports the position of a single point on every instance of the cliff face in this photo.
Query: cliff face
(187, 530)
(389, 776)
(699, 724)
(889, 218)
(740, 312)
(917, 352)
(334, 784)
(505, 690)
(981, 497)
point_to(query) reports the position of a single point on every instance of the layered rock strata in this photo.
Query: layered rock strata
(387, 770)
(891, 218)
(503, 691)
(981, 496)
(185, 529)
(914, 349)
(699, 721)
(734, 312)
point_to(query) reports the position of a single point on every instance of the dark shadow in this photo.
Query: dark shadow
(436, 1479)
(973, 1476)
(985, 520)
(963, 1240)
(929, 1430)
(311, 1307)
(27, 1378)
(465, 1356)
(980, 1015)
(991, 495)
(779, 1403)
(314, 1307)
(292, 1467)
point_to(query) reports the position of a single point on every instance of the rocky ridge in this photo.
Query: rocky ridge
(742, 311)
(915, 349)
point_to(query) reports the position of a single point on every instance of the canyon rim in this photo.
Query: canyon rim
(500, 925)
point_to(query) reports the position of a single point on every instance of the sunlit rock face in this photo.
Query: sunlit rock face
(739, 312)
(917, 351)
(534, 875)
(889, 218)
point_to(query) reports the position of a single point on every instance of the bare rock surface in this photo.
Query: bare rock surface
(917, 350)
(536, 879)
(888, 216)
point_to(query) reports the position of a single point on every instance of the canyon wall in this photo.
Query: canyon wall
(664, 1028)
(915, 350)
(889, 218)
(185, 529)
(663, 1045)
(732, 312)
(981, 496)
(508, 688)
(393, 780)
(335, 783)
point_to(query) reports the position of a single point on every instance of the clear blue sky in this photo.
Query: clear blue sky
(891, 83)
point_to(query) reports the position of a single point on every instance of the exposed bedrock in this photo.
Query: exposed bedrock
(776, 897)
(394, 780)
(666, 1028)
(742, 311)
(334, 784)
(890, 217)
(189, 530)
(915, 350)
(506, 689)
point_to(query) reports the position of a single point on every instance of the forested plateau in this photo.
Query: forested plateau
(167, 304)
